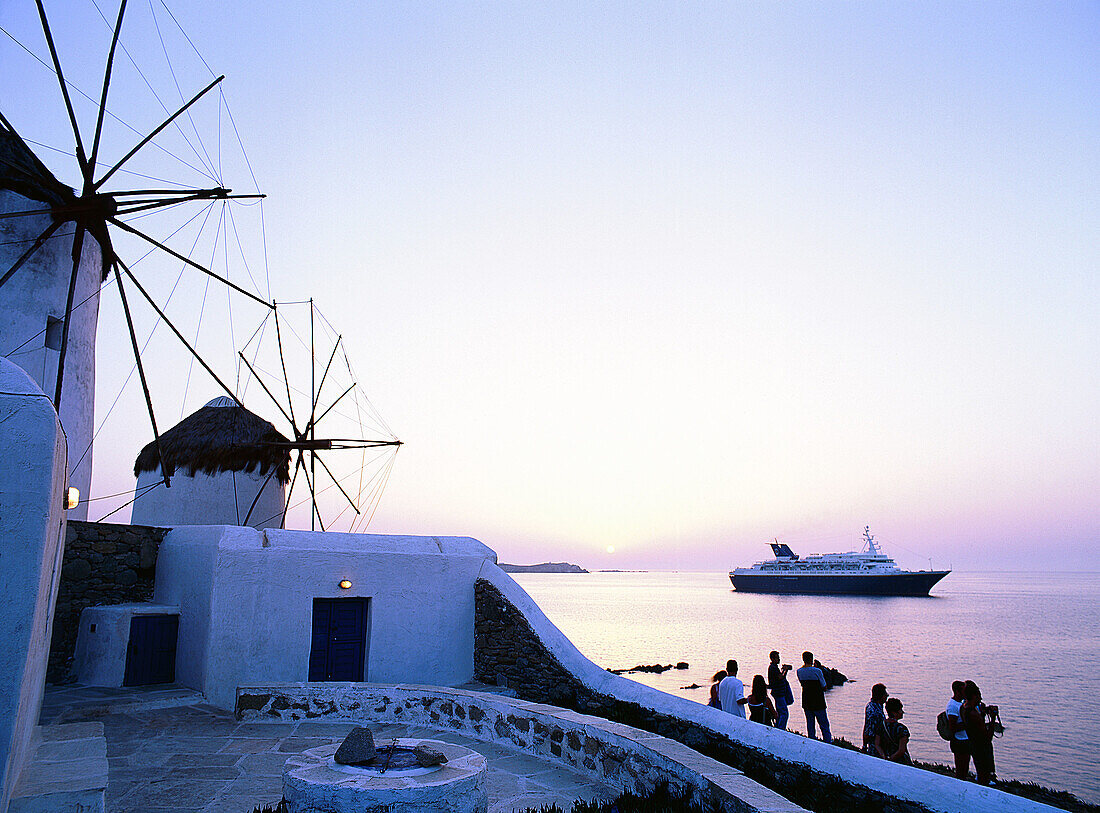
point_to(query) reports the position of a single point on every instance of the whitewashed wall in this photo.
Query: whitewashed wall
(33, 478)
(246, 603)
(37, 291)
(202, 499)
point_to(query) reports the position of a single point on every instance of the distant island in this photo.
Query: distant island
(545, 567)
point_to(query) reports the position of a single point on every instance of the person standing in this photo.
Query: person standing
(758, 703)
(893, 737)
(813, 698)
(978, 720)
(714, 702)
(731, 689)
(873, 719)
(780, 689)
(960, 745)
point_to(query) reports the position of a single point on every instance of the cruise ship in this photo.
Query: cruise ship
(867, 573)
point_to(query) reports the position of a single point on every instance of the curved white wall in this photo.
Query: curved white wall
(202, 499)
(33, 477)
(36, 292)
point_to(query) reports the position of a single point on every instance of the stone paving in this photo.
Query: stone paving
(169, 753)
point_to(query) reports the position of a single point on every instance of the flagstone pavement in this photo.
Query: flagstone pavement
(169, 753)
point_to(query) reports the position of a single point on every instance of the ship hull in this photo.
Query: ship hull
(886, 584)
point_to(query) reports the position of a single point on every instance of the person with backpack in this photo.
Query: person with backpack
(893, 736)
(977, 718)
(950, 727)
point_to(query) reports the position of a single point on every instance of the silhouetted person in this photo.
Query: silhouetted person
(731, 689)
(978, 721)
(714, 702)
(758, 703)
(960, 744)
(813, 698)
(893, 737)
(874, 717)
(780, 689)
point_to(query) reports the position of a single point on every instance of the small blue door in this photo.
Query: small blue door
(339, 644)
(151, 651)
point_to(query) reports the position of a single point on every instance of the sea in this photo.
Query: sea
(1031, 641)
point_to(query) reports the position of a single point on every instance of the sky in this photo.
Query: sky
(647, 285)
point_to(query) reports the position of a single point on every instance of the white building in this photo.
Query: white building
(226, 466)
(33, 300)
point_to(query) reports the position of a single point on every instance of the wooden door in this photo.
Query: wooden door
(151, 650)
(339, 643)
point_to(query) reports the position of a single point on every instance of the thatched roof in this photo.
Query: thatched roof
(22, 172)
(221, 436)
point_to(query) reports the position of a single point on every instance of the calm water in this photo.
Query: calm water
(1030, 641)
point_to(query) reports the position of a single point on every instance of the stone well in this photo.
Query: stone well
(313, 782)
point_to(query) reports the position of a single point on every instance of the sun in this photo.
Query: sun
(610, 548)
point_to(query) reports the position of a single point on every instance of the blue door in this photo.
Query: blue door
(339, 645)
(151, 651)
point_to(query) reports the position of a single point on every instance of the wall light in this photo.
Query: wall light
(72, 497)
(345, 585)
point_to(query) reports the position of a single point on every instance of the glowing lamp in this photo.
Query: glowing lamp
(345, 584)
(72, 497)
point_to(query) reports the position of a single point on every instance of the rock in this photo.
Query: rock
(358, 746)
(682, 665)
(426, 756)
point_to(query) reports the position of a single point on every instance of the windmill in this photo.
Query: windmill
(50, 270)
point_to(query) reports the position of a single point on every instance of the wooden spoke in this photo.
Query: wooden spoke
(256, 499)
(155, 132)
(176, 331)
(334, 403)
(274, 400)
(317, 395)
(39, 241)
(88, 179)
(351, 502)
(141, 374)
(78, 248)
(81, 156)
(127, 227)
(286, 380)
(25, 213)
(313, 494)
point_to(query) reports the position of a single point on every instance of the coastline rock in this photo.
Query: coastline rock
(357, 747)
(833, 677)
(654, 669)
(545, 567)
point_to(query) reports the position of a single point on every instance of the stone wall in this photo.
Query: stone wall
(824, 778)
(621, 757)
(103, 564)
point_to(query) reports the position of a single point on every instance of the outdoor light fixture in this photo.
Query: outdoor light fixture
(345, 585)
(72, 497)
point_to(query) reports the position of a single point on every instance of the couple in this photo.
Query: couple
(728, 693)
(972, 726)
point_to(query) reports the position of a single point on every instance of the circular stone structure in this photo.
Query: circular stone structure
(313, 782)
